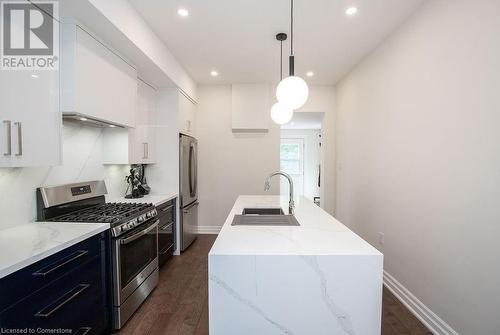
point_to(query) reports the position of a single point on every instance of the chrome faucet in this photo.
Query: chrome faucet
(267, 185)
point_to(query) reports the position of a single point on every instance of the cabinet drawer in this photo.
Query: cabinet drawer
(165, 237)
(166, 243)
(166, 212)
(75, 301)
(24, 282)
(166, 230)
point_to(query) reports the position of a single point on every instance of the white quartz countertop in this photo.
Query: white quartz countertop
(318, 234)
(155, 199)
(28, 243)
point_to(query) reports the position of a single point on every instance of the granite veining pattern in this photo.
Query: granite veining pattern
(318, 278)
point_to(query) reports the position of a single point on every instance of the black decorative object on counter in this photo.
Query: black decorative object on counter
(137, 183)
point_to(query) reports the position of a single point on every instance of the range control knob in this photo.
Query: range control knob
(148, 215)
(140, 219)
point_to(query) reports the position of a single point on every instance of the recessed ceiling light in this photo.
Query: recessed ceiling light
(83, 119)
(112, 126)
(214, 73)
(351, 11)
(182, 12)
(34, 75)
(310, 74)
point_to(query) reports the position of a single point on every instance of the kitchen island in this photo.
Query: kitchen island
(316, 278)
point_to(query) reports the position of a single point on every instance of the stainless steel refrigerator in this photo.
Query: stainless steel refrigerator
(188, 184)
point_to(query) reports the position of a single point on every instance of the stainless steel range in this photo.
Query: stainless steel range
(134, 238)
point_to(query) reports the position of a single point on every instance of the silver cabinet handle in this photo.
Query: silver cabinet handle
(7, 125)
(59, 303)
(167, 208)
(165, 251)
(144, 150)
(168, 225)
(19, 138)
(64, 261)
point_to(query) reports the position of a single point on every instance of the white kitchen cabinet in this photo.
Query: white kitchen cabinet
(187, 115)
(30, 119)
(95, 82)
(250, 107)
(135, 145)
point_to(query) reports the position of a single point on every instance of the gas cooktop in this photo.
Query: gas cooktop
(113, 213)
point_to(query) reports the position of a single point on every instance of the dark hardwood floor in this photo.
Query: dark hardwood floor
(179, 305)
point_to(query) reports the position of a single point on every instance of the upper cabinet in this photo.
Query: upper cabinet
(95, 81)
(250, 107)
(135, 145)
(187, 114)
(30, 119)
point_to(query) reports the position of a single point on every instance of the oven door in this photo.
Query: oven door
(135, 257)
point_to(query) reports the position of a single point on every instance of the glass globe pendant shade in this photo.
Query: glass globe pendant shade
(281, 114)
(292, 92)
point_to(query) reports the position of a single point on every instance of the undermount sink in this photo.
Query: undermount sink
(263, 211)
(264, 217)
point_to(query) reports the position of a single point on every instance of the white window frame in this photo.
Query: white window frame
(296, 177)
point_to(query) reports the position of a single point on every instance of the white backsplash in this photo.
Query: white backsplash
(82, 161)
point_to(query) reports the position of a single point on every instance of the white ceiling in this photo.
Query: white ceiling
(236, 37)
(305, 120)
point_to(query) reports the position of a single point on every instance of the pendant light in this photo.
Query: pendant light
(281, 113)
(293, 90)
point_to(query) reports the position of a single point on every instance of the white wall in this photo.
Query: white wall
(312, 159)
(418, 158)
(230, 163)
(82, 161)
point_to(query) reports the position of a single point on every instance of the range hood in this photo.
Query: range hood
(89, 121)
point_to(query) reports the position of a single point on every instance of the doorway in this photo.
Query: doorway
(301, 154)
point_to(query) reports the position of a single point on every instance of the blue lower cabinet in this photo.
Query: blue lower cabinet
(75, 302)
(166, 230)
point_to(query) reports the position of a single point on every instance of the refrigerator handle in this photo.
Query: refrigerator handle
(195, 161)
(186, 209)
(190, 168)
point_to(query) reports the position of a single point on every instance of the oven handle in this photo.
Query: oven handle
(139, 234)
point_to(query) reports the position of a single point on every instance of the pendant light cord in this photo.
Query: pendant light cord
(281, 60)
(291, 27)
(291, 60)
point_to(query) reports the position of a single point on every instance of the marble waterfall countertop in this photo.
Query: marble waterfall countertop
(27, 243)
(155, 199)
(318, 234)
(317, 278)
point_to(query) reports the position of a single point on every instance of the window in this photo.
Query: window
(292, 162)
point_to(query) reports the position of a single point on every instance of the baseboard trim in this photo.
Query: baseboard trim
(208, 229)
(430, 319)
